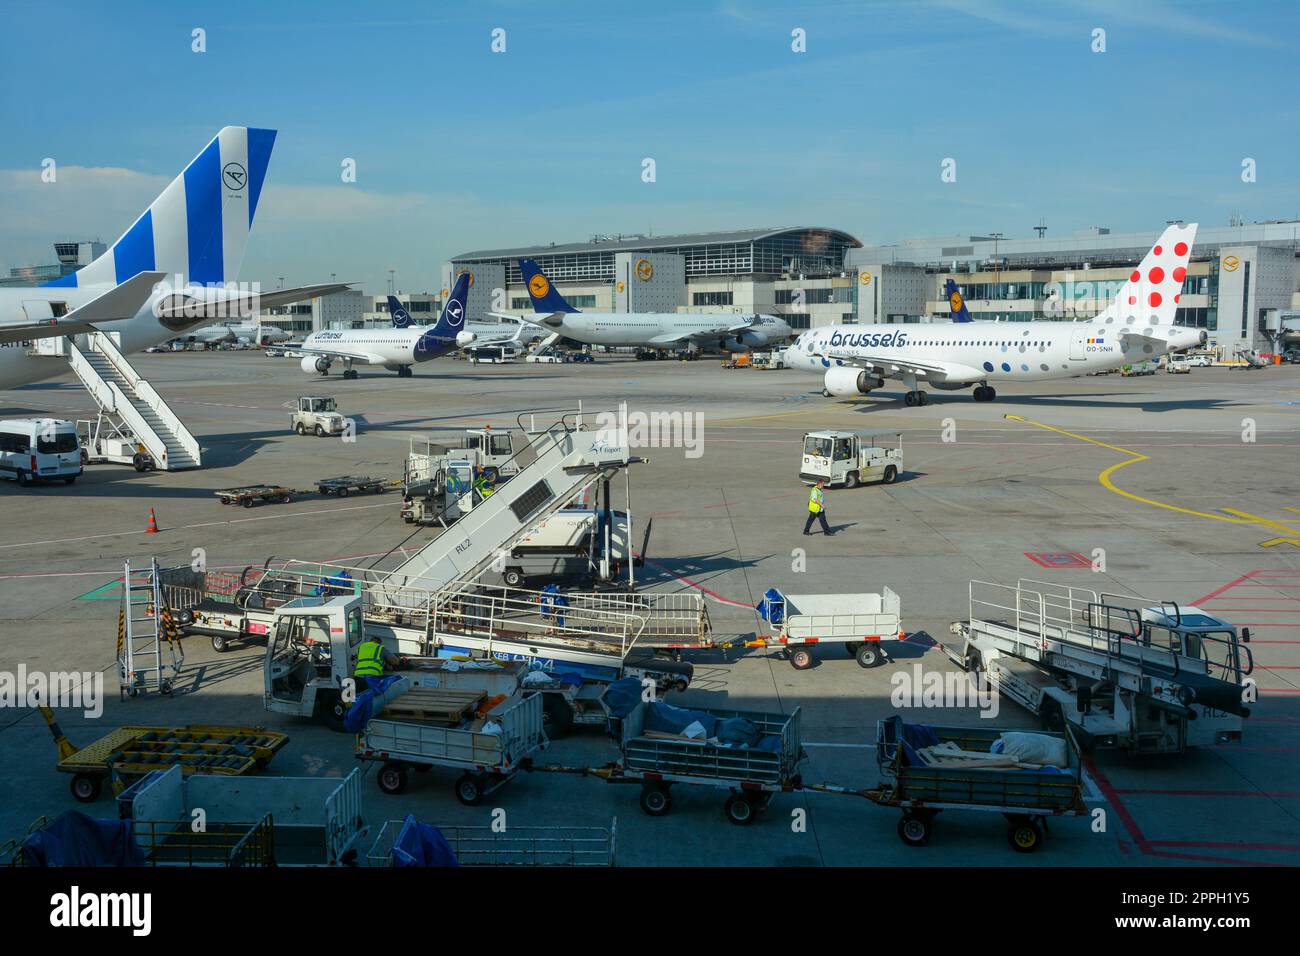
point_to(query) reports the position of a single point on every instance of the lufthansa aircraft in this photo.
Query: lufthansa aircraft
(652, 330)
(173, 270)
(1138, 325)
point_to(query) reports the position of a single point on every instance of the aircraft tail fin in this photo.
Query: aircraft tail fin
(198, 226)
(956, 303)
(545, 298)
(401, 318)
(452, 318)
(1148, 300)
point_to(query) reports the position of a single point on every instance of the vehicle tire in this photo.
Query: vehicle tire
(656, 801)
(70, 480)
(851, 480)
(248, 502)
(85, 458)
(740, 810)
(681, 684)
(220, 644)
(23, 479)
(378, 489)
(321, 490)
(513, 577)
(184, 618)
(1024, 835)
(826, 393)
(409, 520)
(286, 499)
(469, 789)
(318, 432)
(330, 711)
(914, 829)
(85, 787)
(299, 429)
(801, 657)
(557, 716)
(869, 654)
(392, 778)
(342, 493)
(891, 475)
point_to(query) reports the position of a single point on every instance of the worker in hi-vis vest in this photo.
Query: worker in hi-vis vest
(371, 658)
(817, 509)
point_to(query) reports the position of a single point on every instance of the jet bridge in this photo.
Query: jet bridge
(555, 466)
(1153, 679)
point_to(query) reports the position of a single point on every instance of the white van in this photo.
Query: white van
(39, 448)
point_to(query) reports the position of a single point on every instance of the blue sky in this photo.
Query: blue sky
(458, 148)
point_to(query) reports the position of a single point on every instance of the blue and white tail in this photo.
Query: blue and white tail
(401, 318)
(199, 226)
(957, 304)
(546, 299)
(452, 319)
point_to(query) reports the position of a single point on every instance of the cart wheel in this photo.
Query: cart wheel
(165, 688)
(914, 829)
(469, 789)
(801, 657)
(378, 489)
(392, 779)
(513, 577)
(248, 502)
(740, 809)
(184, 618)
(342, 492)
(868, 655)
(655, 800)
(1024, 834)
(219, 643)
(286, 499)
(85, 788)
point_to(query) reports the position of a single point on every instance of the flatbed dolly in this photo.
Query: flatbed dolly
(250, 495)
(342, 487)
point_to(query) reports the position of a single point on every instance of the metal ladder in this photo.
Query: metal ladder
(145, 624)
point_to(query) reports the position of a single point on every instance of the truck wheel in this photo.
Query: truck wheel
(220, 644)
(740, 810)
(342, 493)
(248, 502)
(469, 789)
(851, 480)
(299, 429)
(85, 788)
(1024, 834)
(801, 657)
(330, 711)
(513, 577)
(557, 716)
(318, 432)
(23, 479)
(914, 829)
(655, 800)
(868, 655)
(891, 474)
(392, 778)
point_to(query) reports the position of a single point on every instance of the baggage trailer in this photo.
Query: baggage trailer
(1026, 798)
(488, 760)
(344, 486)
(798, 622)
(250, 495)
(753, 775)
(128, 753)
(516, 846)
(255, 821)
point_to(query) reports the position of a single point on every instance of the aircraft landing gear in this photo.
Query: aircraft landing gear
(915, 397)
(404, 371)
(984, 393)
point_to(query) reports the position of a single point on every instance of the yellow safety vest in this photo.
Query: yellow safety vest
(815, 500)
(370, 659)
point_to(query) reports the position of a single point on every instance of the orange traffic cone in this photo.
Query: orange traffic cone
(153, 523)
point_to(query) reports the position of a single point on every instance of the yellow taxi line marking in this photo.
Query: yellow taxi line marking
(1105, 478)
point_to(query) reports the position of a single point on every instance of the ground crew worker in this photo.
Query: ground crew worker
(817, 509)
(371, 658)
(483, 483)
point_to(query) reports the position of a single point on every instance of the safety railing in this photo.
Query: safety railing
(517, 846)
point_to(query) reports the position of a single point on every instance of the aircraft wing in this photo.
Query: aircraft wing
(671, 338)
(117, 304)
(544, 322)
(356, 355)
(247, 303)
(889, 366)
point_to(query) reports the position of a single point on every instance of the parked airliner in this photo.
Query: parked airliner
(1137, 326)
(173, 270)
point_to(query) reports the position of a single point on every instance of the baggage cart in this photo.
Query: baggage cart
(250, 495)
(798, 622)
(345, 485)
(516, 846)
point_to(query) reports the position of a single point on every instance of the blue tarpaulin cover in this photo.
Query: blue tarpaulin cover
(421, 844)
(74, 839)
(622, 696)
(772, 607)
(359, 713)
(673, 720)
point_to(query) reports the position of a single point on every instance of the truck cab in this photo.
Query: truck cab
(848, 459)
(310, 653)
(493, 450)
(1194, 633)
(317, 414)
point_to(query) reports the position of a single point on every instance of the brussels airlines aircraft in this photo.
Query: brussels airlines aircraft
(655, 330)
(173, 270)
(1137, 325)
(402, 346)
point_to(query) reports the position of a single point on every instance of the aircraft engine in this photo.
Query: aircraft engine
(316, 363)
(843, 381)
(465, 338)
(742, 341)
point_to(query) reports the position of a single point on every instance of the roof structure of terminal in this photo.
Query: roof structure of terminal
(641, 243)
(1096, 246)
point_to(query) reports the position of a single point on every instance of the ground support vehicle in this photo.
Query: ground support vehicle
(130, 752)
(347, 484)
(797, 623)
(250, 495)
(317, 415)
(848, 459)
